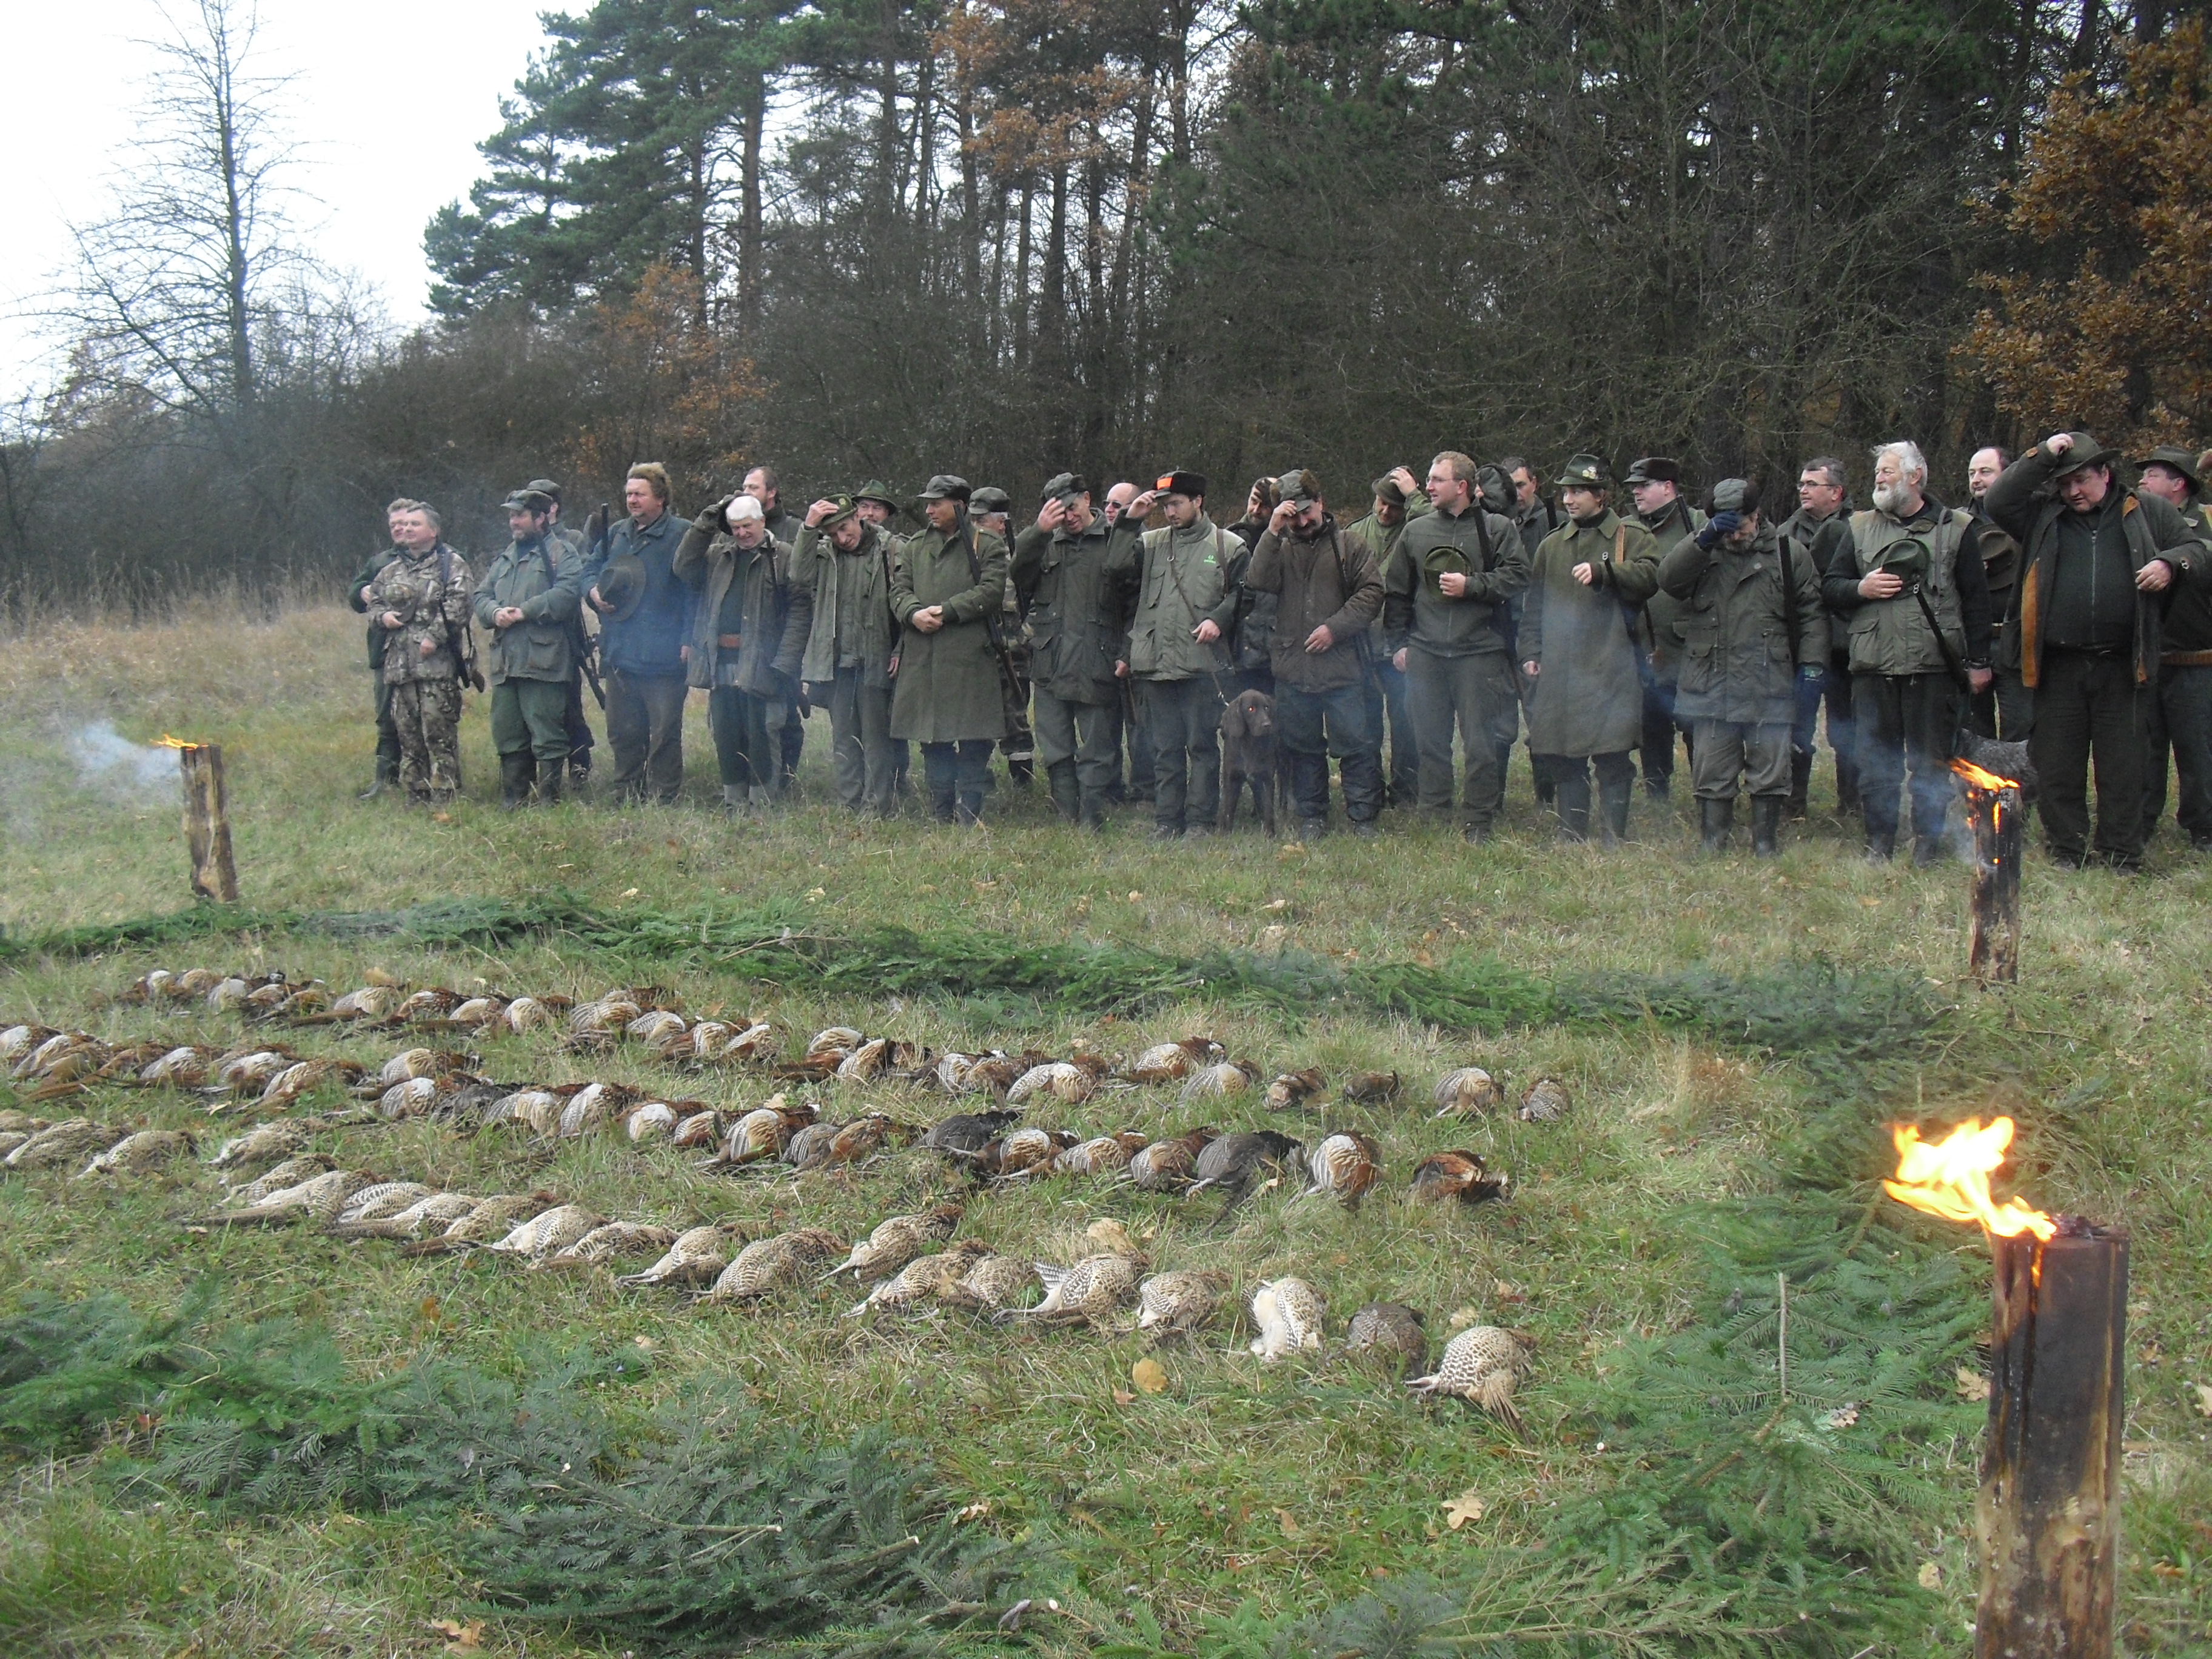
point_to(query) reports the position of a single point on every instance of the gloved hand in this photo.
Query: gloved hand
(1808, 672)
(1720, 524)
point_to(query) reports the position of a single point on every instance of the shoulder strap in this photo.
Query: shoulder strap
(1789, 593)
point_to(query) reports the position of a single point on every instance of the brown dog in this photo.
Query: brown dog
(1248, 756)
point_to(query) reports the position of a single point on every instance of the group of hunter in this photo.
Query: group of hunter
(2064, 606)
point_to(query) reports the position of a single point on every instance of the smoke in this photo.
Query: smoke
(105, 758)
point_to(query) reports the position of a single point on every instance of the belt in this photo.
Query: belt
(731, 641)
(2186, 660)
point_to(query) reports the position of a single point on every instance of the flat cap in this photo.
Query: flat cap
(991, 499)
(1300, 486)
(945, 487)
(545, 487)
(2175, 459)
(1385, 489)
(528, 501)
(1065, 488)
(1654, 469)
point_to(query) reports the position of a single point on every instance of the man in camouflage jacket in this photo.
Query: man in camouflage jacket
(420, 601)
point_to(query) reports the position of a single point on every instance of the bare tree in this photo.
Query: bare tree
(178, 289)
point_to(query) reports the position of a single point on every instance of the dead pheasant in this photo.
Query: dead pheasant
(1292, 1090)
(65, 1142)
(923, 1280)
(897, 1242)
(607, 1241)
(696, 1256)
(135, 1154)
(1465, 1091)
(1481, 1364)
(1177, 1303)
(1456, 1174)
(992, 1282)
(1391, 1331)
(768, 1264)
(1547, 1101)
(1343, 1167)
(1169, 1062)
(1093, 1289)
(1166, 1166)
(1290, 1315)
(318, 1198)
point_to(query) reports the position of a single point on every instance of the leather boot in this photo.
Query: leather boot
(1613, 800)
(1881, 848)
(516, 774)
(1766, 825)
(1067, 793)
(1573, 793)
(1847, 788)
(1926, 850)
(1800, 780)
(1715, 819)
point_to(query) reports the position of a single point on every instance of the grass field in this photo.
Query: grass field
(1665, 1497)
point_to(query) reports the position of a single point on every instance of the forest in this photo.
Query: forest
(856, 239)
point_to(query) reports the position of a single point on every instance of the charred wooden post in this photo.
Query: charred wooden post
(2048, 1514)
(207, 822)
(1995, 819)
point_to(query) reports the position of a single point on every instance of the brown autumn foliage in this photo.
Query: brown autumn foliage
(2118, 195)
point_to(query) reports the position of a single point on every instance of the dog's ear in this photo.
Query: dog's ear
(1232, 719)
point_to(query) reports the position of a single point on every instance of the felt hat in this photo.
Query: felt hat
(2176, 459)
(1584, 471)
(876, 490)
(2086, 451)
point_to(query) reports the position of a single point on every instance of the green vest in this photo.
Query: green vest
(1184, 583)
(1891, 636)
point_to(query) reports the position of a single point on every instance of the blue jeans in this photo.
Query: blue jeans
(1316, 724)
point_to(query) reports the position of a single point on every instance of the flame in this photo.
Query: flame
(1951, 1178)
(169, 742)
(1977, 778)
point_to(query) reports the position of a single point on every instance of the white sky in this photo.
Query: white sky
(389, 102)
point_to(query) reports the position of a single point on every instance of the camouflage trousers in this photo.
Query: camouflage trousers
(428, 713)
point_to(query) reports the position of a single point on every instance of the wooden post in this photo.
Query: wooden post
(207, 822)
(1994, 816)
(2048, 1514)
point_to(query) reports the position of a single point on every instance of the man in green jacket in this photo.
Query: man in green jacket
(1063, 576)
(948, 588)
(1579, 651)
(581, 645)
(1654, 483)
(1331, 592)
(2099, 569)
(1752, 625)
(2181, 712)
(387, 734)
(525, 604)
(1397, 498)
(1185, 607)
(844, 559)
(748, 634)
(1908, 580)
(1448, 591)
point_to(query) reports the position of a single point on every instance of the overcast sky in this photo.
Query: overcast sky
(388, 104)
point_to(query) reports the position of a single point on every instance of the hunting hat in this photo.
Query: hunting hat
(1066, 487)
(545, 487)
(1493, 489)
(1654, 469)
(1584, 471)
(2086, 451)
(991, 499)
(1386, 489)
(945, 487)
(1735, 495)
(621, 584)
(2176, 459)
(527, 500)
(876, 490)
(843, 507)
(1300, 486)
(1180, 483)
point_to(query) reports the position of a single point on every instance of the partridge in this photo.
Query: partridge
(136, 1153)
(1547, 1101)
(185, 1067)
(17, 1042)
(369, 1002)
(809, 1148)
(1179, 1303)
(1464, 1092)
(1218, 1081)
(1343, 1167)
(1390, 1331)
(696, 1256)
(1169, 1165)
(923, 1280)
(1456, 1174)
(1479, 1365)
(592, 1105)
(1169, 1062)
(650, 1120)
(1290, 1315)
(1062, 1079)
(305, 1076)
(772, 1264)
(897, 1242)
(1372, 1088)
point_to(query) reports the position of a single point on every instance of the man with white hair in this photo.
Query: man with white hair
(1909, 586)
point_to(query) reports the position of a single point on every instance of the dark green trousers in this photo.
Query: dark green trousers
(531, 717)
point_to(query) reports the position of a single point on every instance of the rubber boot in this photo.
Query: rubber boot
(1715, 819)
(549, 788)
(1766, 825)
(1091, 817)
(1926, 850)
(1847, 788)
(1067, 793)
(1881, 848)
(735, 799)
(1612, 800)
(516, 774)
(1021, 768)
(1800, 780)
(387, 774)
(1573, 794)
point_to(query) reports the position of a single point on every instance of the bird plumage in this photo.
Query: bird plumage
(136, 1153)
(772, 1264)
(64, 1142)
(1467, 1091)
(1292, 1090)
(1479, 1365)
(1168, 1165)
(923, 1280)
(1343, 1167)
(1290, 1316)
(695, 1256)
(1390, 1331)
(896, 1241)
(1169, 1062)
(1547, 1101)
(1456, 1174)
(1176, 1303)
(1092, 1288)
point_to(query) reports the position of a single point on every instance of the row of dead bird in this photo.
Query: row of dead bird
(909, 1263)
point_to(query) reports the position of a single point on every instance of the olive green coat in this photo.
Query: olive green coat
(852, 604)
(1416, 613)
(544, 579)
(1182, 579)
(1071, 590)
(948, 685)
(777, 611)
(362, 578)
(1589, 697)
(1740, 653)
(1382, 540)
(1663, 613)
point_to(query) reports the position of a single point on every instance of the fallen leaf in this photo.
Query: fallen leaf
(1973, 1385)
(1149, 1375)
(1288, 1523)
(1123, 1397)
(430, 1308)
(1458, 1511)
(1276, 904)
(441, 817)
(1931, 1575)
(629, 892)
(464, 1639)
(1134, 896)
(975, 1511)
(2204, 1398)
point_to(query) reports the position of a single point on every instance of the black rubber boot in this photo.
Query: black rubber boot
(1573, 793)
(516, 775)
(1092, 816)
(1612, 801)
(387, 774)
(549, 788)
(1926, 850)
(1067, 793)
(1800, 780)
(1766, 825)
(1715, 819)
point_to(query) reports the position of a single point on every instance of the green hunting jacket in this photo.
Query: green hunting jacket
(776, 609)
(1070, 589)
(947, 686)
(852, 626)
(1484, 547)
(544, 579)
(1663, 614)
(1183, 578)
(362, 578)
(1745, 630)
(1589, 697)
(1329, 580)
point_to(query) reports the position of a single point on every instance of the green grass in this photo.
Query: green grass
(1671, 994)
